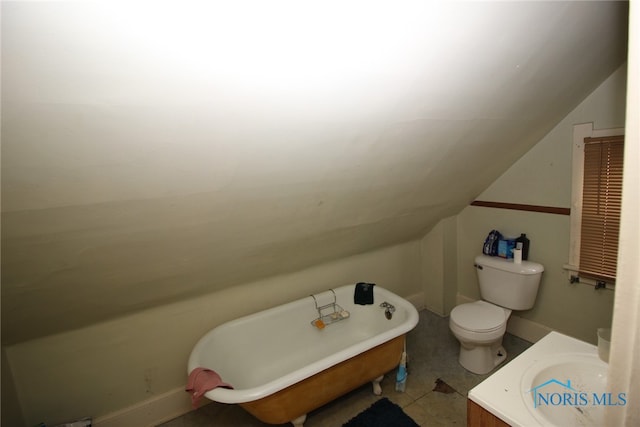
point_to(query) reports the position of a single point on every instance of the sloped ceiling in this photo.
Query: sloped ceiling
(152, 153)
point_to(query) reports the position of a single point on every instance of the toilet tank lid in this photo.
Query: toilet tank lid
(526, 267)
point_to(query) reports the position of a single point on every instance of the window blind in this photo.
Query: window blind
(601, 203)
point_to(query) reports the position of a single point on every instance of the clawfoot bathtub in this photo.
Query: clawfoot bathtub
(282, 366)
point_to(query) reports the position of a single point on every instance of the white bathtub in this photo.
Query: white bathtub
(282, 367)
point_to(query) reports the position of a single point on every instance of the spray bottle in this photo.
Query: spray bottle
(401, 376)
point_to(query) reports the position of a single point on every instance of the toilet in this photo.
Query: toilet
(480, 325)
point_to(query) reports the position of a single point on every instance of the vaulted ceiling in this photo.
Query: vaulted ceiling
(154, 152)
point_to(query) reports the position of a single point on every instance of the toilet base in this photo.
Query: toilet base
(481, 359)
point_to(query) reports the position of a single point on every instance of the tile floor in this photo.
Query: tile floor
(433, 354)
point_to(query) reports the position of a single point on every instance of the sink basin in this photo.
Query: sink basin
(567, 389)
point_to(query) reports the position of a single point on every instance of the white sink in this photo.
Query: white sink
(509, 392)
(567, 389)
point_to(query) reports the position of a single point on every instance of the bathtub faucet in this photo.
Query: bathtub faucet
(388, 309)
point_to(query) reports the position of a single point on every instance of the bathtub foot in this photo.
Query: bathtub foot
(377, 390)
(298, 422)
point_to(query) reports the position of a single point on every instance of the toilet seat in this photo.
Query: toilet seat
(479, 316)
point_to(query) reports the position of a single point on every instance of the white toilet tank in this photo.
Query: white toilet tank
(507, 284)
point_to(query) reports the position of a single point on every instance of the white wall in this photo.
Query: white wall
(128, 156)
(543, 177)
(439, 266)
(624, 370)
(109, 366)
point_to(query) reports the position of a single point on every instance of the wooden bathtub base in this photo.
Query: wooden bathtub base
(301, 398)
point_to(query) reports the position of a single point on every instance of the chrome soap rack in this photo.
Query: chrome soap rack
(333, 313)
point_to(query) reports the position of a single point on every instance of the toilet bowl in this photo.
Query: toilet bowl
(480, 326)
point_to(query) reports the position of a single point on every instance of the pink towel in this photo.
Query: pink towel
(201, 380)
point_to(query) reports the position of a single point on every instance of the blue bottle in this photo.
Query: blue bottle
(401, 376)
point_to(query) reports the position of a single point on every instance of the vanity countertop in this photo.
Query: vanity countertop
(503, 393)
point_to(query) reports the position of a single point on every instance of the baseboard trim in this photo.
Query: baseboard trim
(527, 329)
(417, 300)
(150, 412)
(523, 328)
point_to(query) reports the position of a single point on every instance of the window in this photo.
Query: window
(596, 203)
(601, 200)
